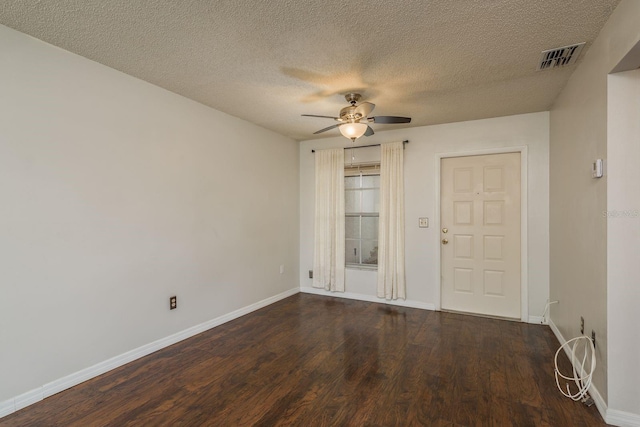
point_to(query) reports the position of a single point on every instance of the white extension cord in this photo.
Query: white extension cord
(581, 378)
(546, 310)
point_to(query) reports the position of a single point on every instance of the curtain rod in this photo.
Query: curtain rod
(406, 141)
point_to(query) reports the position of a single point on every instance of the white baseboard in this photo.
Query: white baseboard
(7, 407)
(538, 320)
(369, 298)
(19, 402)
(28, 398)
(622, 419)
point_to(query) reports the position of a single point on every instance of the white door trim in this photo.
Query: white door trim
(524, 270)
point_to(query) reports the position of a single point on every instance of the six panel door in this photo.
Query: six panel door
(480, 234)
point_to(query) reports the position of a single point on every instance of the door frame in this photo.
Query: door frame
(524, 225)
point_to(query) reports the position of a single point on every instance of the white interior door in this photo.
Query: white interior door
(480, 234)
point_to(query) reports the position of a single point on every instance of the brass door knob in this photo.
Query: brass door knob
(445, 241)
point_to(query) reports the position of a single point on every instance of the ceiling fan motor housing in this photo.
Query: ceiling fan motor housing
(349, 114)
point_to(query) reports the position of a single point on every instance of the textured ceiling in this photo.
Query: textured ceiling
(436, 61)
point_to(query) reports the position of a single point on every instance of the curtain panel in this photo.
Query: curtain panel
(391, 276)
(329, 243)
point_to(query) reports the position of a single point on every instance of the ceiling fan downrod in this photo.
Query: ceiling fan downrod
(353, 98)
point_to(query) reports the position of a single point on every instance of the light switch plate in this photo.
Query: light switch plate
(423, 222)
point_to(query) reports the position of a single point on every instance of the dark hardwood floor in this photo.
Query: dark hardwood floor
(317, 361)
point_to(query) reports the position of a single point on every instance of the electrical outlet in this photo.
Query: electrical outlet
(581, 325)
(310, 274)
(593, 338)
(173, 302)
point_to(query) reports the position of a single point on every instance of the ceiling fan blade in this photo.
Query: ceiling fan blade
(324, 117)
(326, 129)
(391, 119)
(369, 131)
(364, 109)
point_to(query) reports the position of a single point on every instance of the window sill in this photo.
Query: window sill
(361, 267)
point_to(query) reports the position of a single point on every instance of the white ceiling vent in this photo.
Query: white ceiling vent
(560, 56)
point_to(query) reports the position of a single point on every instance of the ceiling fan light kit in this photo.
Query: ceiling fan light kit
(354, 120)
(352, 131)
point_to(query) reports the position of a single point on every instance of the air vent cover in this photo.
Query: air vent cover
(560, 56)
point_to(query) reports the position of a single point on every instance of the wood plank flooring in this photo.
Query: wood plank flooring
(310, 360)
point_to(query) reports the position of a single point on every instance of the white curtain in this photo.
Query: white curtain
(391, 280)
(328, 259)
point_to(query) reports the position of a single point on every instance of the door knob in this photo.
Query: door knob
(445, 241)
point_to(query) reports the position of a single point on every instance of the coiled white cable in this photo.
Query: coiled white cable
(581, 378)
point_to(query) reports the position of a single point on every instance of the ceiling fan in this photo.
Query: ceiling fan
(354, 119)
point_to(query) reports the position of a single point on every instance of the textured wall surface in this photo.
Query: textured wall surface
(623, 240)
(578, 203)
(117, 194)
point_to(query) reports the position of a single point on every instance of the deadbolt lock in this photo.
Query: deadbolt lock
(445, 230)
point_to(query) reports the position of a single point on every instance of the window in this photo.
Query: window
(362, 201)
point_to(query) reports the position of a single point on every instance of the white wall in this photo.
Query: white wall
(578, 229)
(116, 194)
(623, 241)
(423, 245)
